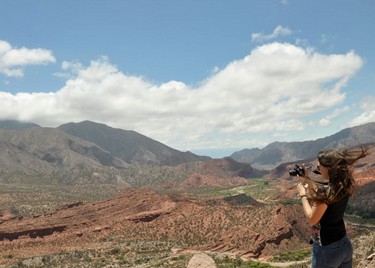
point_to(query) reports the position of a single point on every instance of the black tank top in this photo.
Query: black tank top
(332, 226)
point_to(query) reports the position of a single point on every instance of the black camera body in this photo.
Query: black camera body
(298, 170)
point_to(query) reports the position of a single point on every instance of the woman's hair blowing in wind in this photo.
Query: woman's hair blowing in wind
(340, 169)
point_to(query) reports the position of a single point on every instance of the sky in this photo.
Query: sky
(207, 76)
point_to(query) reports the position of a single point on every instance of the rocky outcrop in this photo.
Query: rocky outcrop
(201, 260)
(241, 200)
(31, 233)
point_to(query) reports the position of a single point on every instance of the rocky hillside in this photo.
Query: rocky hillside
(37, 154)
(129, 146)
(277, 153)
(237, 225)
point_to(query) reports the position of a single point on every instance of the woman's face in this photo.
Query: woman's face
(324, 172)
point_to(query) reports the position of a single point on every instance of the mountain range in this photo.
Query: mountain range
(89, 151)
(277, 153)
(86, 152)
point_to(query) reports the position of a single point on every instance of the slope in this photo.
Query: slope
(130, 146)
(48, 154)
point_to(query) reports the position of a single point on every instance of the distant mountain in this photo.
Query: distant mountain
(13, 124)
(128, 145)
(282, 152)
(48, 154)
(95, 153)
(246, 155)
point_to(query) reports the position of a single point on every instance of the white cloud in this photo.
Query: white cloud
(368, 114)
(13, 60)
(270, 90)
(279, 31)
(336, 113)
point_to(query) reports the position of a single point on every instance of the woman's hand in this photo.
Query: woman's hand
(301, 189)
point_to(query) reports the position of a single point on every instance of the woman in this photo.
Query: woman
(329, 198)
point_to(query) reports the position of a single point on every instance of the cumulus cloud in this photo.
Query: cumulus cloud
(70, 69)
(14, 60)
(279, 31)
(368, 112)
(271, 89)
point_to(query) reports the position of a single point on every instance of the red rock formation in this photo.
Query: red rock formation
(248, 229)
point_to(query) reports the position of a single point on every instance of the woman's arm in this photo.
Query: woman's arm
(313, 213)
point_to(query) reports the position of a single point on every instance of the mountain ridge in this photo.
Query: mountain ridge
(14, 124)
(129, 145)
(277, 153)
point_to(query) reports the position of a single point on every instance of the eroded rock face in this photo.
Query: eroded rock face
(33, 233)
(240, 225)
(201, 260)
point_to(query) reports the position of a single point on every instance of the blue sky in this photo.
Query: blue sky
(207, 76)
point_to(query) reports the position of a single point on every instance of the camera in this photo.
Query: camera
(297, 171)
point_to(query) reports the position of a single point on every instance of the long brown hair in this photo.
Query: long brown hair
(340, 169)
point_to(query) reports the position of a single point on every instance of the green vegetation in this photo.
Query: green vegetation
(226, 262)
(357, 220)
(116, 253)
(36, 199)
(292, 256)
(258, 189)
(365, 211)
